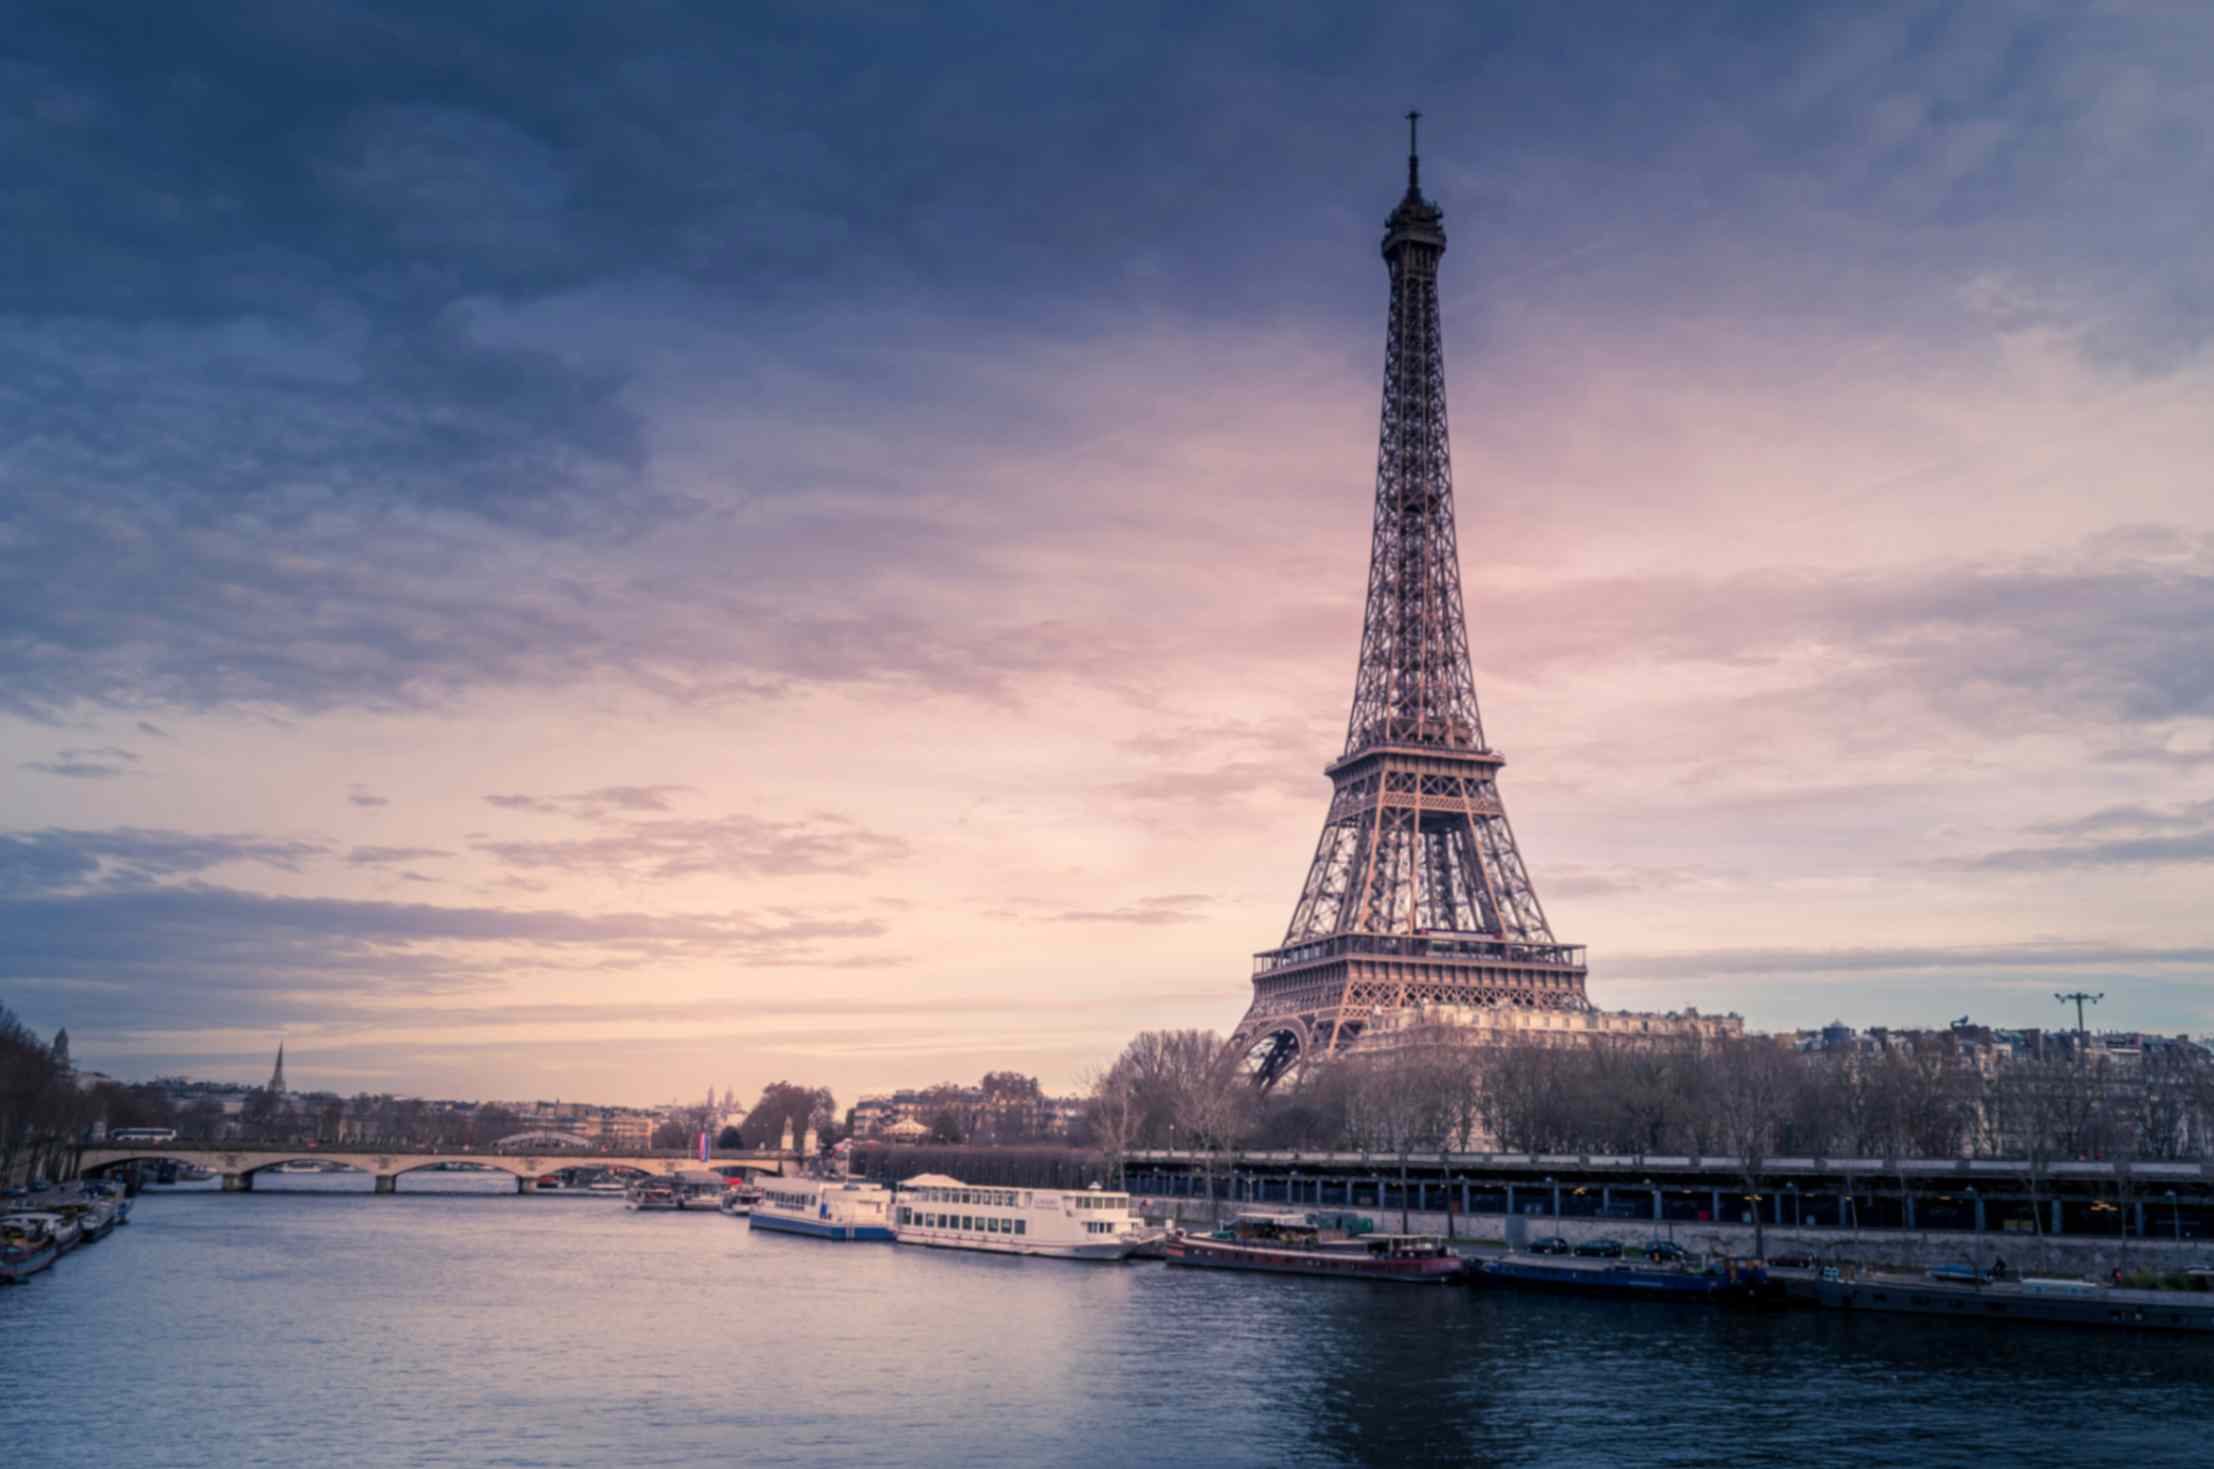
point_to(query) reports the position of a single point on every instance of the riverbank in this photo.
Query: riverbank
(2072, 1255)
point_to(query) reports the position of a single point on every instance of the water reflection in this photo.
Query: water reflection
(457, 1323)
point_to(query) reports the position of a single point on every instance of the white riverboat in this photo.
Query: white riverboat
(826, 1208)
(1064, 1224)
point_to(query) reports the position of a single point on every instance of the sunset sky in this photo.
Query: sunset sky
(602, 551)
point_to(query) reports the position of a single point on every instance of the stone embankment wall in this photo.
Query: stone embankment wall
(2063, 1255)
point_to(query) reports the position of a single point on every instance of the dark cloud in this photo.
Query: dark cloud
(593, 805)
(2188, 816)
(386, 856)
(269, 279)
(2150, 752)
(2179, 834)
(2049, 641)
(2191, 850)
(74, 769)
(728, 845)
(1993, 959)
(192, 956)
(361, 796)
(55, 859)
(1160, 912)
(143, 957)
(146, 727)
(98, 762)
(622, 798)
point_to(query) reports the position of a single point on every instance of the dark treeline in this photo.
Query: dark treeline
(39, 1101)
(1749, 1098)
(1000, 1166)
(782, 1104)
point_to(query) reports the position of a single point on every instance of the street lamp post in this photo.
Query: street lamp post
(1975, 1207)
(1556, 1188)
(2175, 1215)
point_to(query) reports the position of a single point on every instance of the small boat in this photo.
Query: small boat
(550, 1181)
(738, 1200)
(61, 1228)
(95, 1217)
(1282, 1245)
(651, 1196)
(608, 1186)
(25, 1250)
(300, 1165)
(945, 1213)
(824, 1208)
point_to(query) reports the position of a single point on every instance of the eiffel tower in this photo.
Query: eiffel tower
(1417, 895)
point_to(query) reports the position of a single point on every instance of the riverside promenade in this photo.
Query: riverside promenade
(2077, 1216)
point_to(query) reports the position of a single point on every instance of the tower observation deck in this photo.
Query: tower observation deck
(1417, 895)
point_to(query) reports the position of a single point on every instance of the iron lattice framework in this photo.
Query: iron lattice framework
(1417, 894)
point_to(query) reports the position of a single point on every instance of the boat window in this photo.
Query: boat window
(1022, 1226)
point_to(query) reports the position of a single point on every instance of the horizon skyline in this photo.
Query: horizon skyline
(685, 549)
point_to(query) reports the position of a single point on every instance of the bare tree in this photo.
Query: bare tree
(1755, 1080)
(1114, 1114)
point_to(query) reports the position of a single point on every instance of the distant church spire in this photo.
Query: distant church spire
(276, 1077)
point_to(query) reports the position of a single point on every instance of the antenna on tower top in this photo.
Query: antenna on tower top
(1414, 159)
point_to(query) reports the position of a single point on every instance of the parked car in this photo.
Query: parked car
(1600, 1249)
(1551, 1244)
(1662, 1251)
(1793, 1260)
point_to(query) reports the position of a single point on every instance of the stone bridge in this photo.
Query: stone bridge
(239, 1163)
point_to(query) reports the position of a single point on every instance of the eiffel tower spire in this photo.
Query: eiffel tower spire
(1417, 894)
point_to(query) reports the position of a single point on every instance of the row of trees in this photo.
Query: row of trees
(1749, 1098)
(782, 1104)
(1006, 1107)
(40, 1105)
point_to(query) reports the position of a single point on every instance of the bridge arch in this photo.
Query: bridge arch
(1272, 1050)
(154, 1155)
(543, 1138)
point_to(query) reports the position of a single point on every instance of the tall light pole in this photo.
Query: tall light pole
(2079, 999)
(2175, 1215)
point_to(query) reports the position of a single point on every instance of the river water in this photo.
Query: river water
(455, 1323)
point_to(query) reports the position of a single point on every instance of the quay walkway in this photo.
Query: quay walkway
(2172, 1201)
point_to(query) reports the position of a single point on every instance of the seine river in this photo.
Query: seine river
(309, 1323)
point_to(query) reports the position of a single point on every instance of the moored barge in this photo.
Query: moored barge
(1723, 1280)
(1294, 1247)
(2039, 1301)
